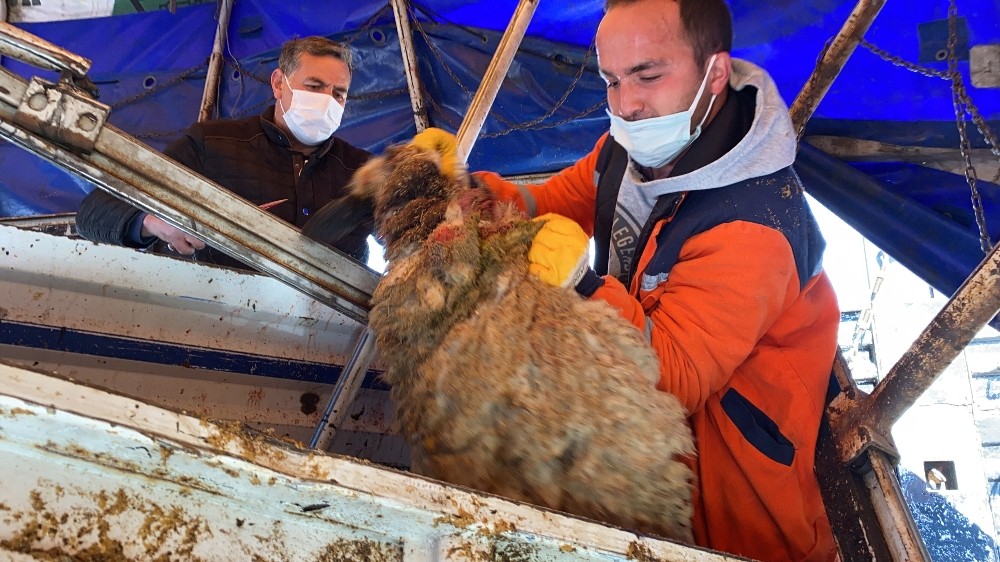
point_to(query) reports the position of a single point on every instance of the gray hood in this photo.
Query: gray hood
(769, 146)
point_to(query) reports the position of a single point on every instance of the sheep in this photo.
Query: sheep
(502, 383)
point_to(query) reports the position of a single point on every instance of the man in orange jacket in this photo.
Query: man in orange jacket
(706, 243)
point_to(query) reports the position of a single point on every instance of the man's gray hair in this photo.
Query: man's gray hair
(291, 52)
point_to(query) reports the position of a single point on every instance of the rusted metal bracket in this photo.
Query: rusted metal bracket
(856, 427)
(62, 113)
(871, 518)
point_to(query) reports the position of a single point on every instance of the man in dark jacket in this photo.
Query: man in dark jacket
(287, 153)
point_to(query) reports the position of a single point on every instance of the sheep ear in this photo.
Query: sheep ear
(337, 219)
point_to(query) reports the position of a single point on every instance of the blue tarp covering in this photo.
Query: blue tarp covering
(150, 68)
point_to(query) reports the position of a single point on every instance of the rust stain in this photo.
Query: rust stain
(342, 550)
(16, 412)
(640, 552)
(92, 540)
(254, 398)
(251, 445)
(514, 552)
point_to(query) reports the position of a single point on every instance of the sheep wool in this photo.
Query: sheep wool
(505, 384)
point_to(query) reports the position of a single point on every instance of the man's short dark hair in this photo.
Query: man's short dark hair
(707, 23)
(291, 52)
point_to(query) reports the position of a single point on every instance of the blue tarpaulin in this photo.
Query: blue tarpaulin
(150, 68)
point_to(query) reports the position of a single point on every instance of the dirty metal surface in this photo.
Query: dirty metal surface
(18, 44)
(61, 113)
(100, 475)
(75, 284)
(213, 341)
(860, 421)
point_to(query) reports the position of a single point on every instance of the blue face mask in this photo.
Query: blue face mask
(655, 141)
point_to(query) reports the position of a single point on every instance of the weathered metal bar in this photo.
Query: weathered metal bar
(410, 67)
(21, 45)
(947, 159)
(860, 421)
(210, 96)
(974, 304)
(848, 503)
(344, 392)
(834, 59)
(493, 79)
(147, 179)
(898, 527)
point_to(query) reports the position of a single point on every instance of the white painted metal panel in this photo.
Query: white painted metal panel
(73, 283)
(87, 472)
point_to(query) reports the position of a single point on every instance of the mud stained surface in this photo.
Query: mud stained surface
(83, 534)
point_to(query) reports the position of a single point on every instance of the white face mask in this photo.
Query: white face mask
(655, 141)
(312, 117)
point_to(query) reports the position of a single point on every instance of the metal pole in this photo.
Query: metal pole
(211, 94)
(901, 534)
(345, 391)
(833, 62)
(495, 73)
(400, 11)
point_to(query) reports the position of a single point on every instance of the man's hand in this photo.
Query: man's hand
(176, 239)
(445, 145)
(559, 252)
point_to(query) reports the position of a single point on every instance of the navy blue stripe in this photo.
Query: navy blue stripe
(193, 357)
(757, 428)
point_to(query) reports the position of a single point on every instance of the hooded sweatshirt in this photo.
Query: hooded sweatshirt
(768, 146)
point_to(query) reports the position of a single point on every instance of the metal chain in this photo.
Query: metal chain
(963, 105)
(535, 124)
(150, 91)
(901, 62)
(532, 125)
(964, 145)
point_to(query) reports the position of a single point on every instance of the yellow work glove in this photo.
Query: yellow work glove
(559, 252)
(443, 143)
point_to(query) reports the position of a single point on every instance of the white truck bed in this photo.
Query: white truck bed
(92, 475)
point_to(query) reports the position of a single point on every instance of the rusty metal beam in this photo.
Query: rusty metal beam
(863, 421)
(210, 96)
(36, 51)
(974, 304)
(495, 73)
(893, 514)
(867, 510)
(834, 59)
(401, 12)
(946, 159)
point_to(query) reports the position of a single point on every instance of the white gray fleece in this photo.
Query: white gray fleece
(769, 146)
